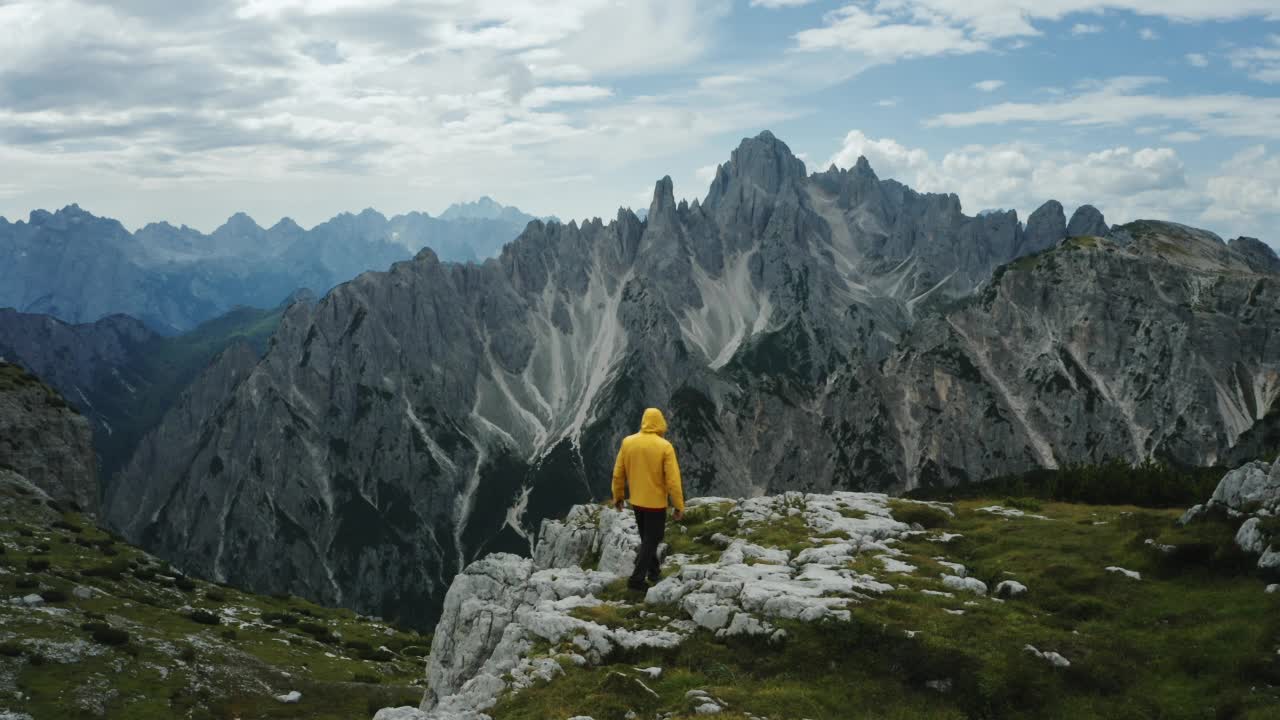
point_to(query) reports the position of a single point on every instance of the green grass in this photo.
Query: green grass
(208, 672)
(1195, 638)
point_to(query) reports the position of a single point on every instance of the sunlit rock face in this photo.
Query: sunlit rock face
(802, 332)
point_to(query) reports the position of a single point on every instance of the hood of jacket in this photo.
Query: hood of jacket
(653, 422)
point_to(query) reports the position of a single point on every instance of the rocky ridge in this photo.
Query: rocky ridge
(80, 268)
(44, 441)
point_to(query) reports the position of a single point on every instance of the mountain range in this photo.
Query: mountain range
(80, 268)
(804, 332)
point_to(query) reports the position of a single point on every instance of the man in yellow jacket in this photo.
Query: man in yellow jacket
(647, 465)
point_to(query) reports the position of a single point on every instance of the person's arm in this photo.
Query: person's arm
(619, 479)
(671, 473)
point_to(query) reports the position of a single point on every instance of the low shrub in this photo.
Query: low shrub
(204, 617)
(110, 636)
(187, 654)
(36, 565)
(365, 678)
(313, 628)
(358, 645)
(1023, 504)
(114, 571)
(229, 634)
(27, 583)
(184, 583)
(416, 651)
(94, 626)
(215, 596)
(68, 526)
(54, 596)
(11, 649)
(1116, 482)
(923, 515)
(279, 618)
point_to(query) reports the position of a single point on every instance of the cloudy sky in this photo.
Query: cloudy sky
(189, 111)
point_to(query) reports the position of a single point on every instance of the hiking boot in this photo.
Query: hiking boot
(637, 585)
(654, 578)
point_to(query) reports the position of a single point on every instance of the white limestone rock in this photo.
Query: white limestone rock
(965, 584)
(1191, 514)
(1051, 657)
(1009, 512)
(1248, 487)
(290, 698)
(1250, 538)
(1010, 588)
(894, 565)
(1134, 574)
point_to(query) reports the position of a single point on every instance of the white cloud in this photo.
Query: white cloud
(1148, 34)
(1083, 29)
(990, 19)
(779, 3)
(347, 103)
(1261, 63)
(888, 157)
(1118, 102)
(705, 174)
(1246, 192)
(1197, 60)
(889, 102)
(717, 82)
(543, 96)
(886, 36)
(1126, 183)
(989, 85)
(1182, 136)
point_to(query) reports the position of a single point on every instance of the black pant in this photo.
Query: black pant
(652, 525)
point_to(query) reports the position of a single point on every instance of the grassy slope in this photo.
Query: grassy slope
(173, 666)
(1196, 637)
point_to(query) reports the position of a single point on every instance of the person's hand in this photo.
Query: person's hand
(677, 515)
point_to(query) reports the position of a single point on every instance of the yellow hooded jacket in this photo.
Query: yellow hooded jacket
(647, 463)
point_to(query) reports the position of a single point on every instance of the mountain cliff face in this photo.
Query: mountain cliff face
(118, 373)
(45, 441)
(815, 332)
(80, 268)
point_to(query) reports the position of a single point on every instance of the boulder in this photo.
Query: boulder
(1010, 588)
(290, 698)
(1250, 538)
(965, 584)
(1248, 488)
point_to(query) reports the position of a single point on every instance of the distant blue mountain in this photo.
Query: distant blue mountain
(79, 267)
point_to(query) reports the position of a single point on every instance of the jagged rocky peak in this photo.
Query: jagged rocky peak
(1087, 221)
(1260, 256)
(1046, 227)
(759, 164)
(239, 224)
